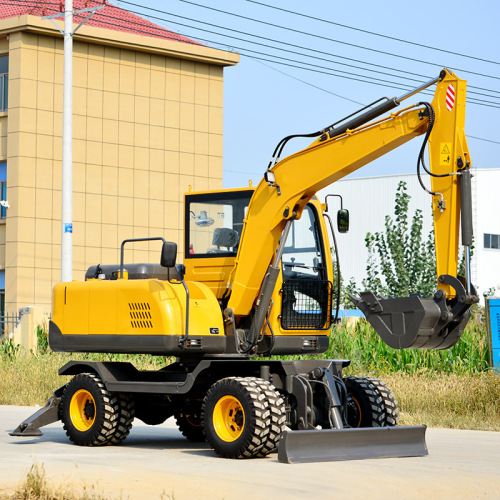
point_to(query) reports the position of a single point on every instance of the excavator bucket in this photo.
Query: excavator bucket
(330, 445)
(416, 323)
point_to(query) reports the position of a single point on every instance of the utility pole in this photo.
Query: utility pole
(67, 139)
(67, 149)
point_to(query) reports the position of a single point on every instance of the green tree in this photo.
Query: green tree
(400, 262)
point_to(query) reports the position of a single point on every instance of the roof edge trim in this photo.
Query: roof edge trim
(100, 36)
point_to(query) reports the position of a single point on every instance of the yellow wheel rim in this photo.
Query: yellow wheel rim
(82, 410)
(228, 418)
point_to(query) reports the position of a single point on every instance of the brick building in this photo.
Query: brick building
(147, 123)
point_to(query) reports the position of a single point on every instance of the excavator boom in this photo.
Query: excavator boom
(410, 322)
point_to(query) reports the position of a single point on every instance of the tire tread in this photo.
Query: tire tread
(260, 421)
(102, 431)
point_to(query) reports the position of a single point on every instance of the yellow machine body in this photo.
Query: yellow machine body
(140, 315)
(255, 288)
(258, 281)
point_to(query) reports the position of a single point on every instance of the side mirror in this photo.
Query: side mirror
(168, 254)
(343, 220)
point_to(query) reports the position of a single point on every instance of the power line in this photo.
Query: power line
(287, 50)
(260, 59)
(373, 33)
(310, 66)
(332, 72)
(482, 139)
(315, 51)
(315, 36)
(301, 54)
(310, 84)
(316, 57)
(384, 84)
(275, 41)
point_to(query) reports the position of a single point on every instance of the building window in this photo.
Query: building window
(4, 82)
(3, 189)
(3, 197)
(492, 241)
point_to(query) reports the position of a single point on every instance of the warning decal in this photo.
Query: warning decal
(445, 154)
(450, 97)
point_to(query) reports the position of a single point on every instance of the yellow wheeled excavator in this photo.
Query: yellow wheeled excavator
(257, 283)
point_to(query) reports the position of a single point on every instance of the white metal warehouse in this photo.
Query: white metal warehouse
(370, 199)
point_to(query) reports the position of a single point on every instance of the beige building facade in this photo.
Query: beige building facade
(147, 124)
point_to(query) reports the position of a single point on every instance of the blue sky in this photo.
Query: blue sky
(265, 101)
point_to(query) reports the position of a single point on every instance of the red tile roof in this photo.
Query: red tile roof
(111, 17)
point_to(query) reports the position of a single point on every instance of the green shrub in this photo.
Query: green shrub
(367, 352)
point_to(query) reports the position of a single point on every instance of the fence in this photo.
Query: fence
(22, 328)
(8, 323)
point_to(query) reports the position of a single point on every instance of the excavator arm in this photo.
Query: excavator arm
(290, 184)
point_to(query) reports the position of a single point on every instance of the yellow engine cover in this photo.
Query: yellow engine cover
(137, 316)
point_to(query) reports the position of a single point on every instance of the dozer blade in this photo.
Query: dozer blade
(416, 323)
(330, 445)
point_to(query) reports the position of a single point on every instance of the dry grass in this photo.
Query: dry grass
(449, 401)
(460, 401)
(36, 487)
(367, 351)
(30, 379)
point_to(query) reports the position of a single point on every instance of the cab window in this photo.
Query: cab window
(214, 223)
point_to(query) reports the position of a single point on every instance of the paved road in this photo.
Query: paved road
(156, 460)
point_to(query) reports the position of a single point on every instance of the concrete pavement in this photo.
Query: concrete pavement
(156, 461)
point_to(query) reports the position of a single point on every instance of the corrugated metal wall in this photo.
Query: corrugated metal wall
(370, 199)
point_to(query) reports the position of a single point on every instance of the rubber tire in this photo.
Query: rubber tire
(365, 407)
(257, 417)
(276, 405)
(106, 411)
(126, 414)
(391, 416)
(188, 418)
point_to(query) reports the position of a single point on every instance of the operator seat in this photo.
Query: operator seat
(225, 237)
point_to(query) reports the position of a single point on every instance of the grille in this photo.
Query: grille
(140, 315)
(306, 305)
